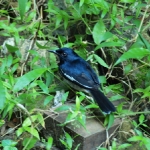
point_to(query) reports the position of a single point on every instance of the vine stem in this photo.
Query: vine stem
(142, 21)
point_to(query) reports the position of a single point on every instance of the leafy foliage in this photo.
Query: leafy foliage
(112, 35)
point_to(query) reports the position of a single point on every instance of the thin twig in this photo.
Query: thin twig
(142, 21)
(30, 47)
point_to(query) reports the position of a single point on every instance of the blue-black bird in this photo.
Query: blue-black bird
(77, 71)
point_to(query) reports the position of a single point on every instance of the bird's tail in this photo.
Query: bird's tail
(105, 105)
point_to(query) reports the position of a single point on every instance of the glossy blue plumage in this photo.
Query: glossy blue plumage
(76, 70)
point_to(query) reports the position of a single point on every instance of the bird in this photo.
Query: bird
(81, 75)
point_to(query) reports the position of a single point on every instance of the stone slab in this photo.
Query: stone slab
(88, 139)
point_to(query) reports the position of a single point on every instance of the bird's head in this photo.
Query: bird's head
(65, 54)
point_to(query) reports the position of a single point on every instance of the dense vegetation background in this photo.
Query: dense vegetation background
(113, 35)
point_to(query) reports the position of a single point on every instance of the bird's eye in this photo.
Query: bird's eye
(64, 54)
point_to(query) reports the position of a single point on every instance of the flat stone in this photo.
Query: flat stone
(89, 138)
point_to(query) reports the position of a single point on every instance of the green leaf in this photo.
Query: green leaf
(43, 86)
(91, 106)
(141, 118)
(135, 138)
(109, 44)
(24, 80)
(49, 143)
(64, 143)
(27, 121)
(127, 1)
(32, 131)
(48, 99)
(134, 53)
(71, 116)
(100, 61)
(58, 20)
(82, 121)
(77, 103)
(30, 142)
(139, 90)
(123, 146)
(22, 7)
(63, 108)
(147, 45)
(102, 79)
(69, 140)
(11, 48)
(81, 2)
(41, 46)
(110, 120)
(98, 32)
(41, 120)
(10, 148)
(2, 96)
(127, 68)
(9, 60)
(65, 96)
(19, 131)
(117, 97)
(8, 143)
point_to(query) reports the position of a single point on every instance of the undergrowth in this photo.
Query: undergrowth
(108, 34)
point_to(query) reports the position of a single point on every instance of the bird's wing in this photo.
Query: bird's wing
(93, 74)
(81, 74)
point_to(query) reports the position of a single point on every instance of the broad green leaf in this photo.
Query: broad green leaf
(100, 61)
(2, 96)
(63, 108)
(98, 32)
(138, 90)
(91, 106)
(72, 116)
(19, 131)
(22, 7)
(135, 138)
(65, 22)
(81, 2)
(27, 121)
(41, 46)
(117, 97)
(102, 79)
(2, 122)
(49, 143)
(58, 20)
(11, 48)
(69, 140)
(135, 53)
(9, 60)
(110, 120)
(30, 142)
(24, 80)
(65, 96)
(41, 119)
(43, 86)
(77, 103)
(127, 68)
(10, 148)
(141, 118)
(123, 146)
(63, 142)
(8, 142)
(48, 99)
(109, 44)
(127, 1)
(32, 131)
(147, 45)
(147, 81)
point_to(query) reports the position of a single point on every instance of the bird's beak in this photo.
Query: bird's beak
(54, 51)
